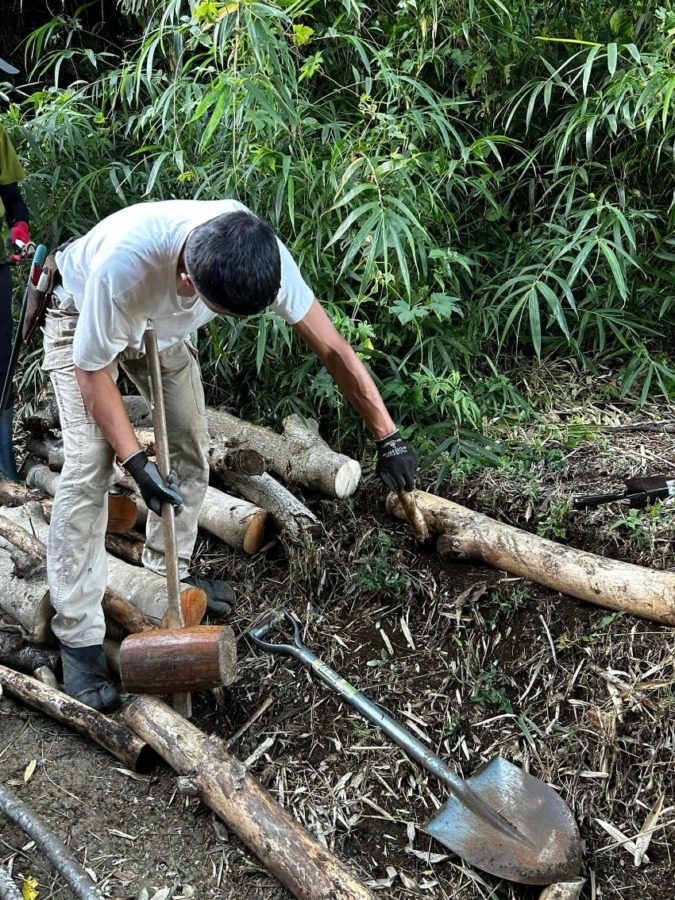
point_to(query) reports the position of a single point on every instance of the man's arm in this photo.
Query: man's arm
(396, 463)
(104, 401)
(349, 373)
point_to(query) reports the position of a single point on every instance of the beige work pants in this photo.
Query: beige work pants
(76, 560)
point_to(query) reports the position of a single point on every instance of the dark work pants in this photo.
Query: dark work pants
(6, 325)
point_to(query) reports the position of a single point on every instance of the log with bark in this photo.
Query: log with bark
(24, 592)
(13, 494)
(18, 653)
(113, 736)
(238, 523)
(122, 513)
(306, 868)
(178, 660)
(465, 534)
(27, 599)
(299, 454)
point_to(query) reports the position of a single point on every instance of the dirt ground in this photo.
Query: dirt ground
(474, 661)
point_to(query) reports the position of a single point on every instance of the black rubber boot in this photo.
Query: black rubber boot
(7, 462)
(219, 596)
(87, 679)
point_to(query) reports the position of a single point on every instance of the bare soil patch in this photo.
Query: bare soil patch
(472, 660)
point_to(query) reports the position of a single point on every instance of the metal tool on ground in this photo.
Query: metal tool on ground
(501, 819)
(181, 701)
(34, 276)
(639, 492)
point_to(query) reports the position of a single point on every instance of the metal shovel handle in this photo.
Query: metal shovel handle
(369, 710)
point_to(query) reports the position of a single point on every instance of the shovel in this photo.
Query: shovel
(501, 819)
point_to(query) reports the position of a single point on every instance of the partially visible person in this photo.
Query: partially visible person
(15, 213)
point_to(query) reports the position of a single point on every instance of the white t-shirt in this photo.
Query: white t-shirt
(123, 272)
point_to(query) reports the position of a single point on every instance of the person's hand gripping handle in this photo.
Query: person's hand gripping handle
(397, 466)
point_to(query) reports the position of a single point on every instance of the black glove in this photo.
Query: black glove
(153, 488)
(396, 463)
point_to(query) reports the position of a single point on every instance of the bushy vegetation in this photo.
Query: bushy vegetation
(467, 186)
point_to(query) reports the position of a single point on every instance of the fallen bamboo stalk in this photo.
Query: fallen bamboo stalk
(306, 868)
(49, 843)
(465, 534)
(113, 736)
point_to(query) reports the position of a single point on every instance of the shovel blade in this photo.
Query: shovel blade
(539, 843)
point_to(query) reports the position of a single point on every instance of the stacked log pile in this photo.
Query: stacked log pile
(243, 458)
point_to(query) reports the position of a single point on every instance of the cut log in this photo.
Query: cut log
(178, 660)
(193, 607)
(25, 597)
(13, 494)
(290, 515)
(221, 458)
(121, 509)
(125, 614)
(113, 736)
(306, 868)
(46, 676)
(27, 600)
(465, 534)
(17, 653)
(238, 523)
(143, 589)
(299, 455)
(47, 447)
(126, 547)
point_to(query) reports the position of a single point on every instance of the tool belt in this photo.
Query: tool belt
(37, 298)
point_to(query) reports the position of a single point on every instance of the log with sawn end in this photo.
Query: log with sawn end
(113, 736)
(289, 514)
(26, 598)
(238, 523)
(306, 868)
(465, 534)
(299, 455)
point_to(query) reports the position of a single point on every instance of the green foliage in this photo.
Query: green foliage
(489, 692)
(460, 183)
(378, 568)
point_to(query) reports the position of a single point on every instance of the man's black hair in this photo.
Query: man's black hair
(234, 262)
